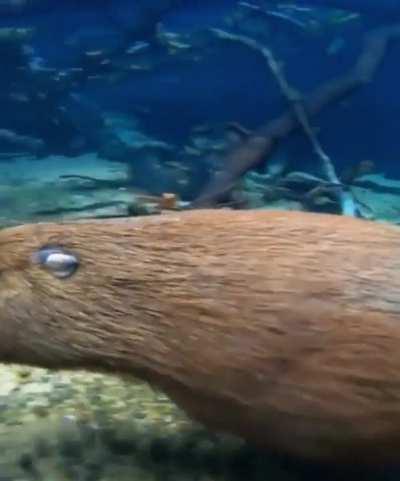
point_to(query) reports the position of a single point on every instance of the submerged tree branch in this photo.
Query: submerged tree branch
(295, 101)
(263, 142)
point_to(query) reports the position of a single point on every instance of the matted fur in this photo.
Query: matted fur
(281, 327)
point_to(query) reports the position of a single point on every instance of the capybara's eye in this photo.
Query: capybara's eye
(57, 260)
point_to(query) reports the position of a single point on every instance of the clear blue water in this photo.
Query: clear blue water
(102, 101)
(216, 83)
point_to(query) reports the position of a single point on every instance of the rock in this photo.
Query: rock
(283, 204)
(301, 181)
(127, 130)
(378, 183)
(378, 205)
(22, 142)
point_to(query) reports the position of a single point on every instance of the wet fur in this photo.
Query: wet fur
(281, 327)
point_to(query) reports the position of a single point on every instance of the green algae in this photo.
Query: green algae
(57, 426)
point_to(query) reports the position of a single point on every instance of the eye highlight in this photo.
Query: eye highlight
(57, 260)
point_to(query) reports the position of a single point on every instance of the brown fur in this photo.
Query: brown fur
(281, 327)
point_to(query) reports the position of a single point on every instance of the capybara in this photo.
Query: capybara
(280, 327)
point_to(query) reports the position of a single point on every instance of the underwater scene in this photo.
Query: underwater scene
(200, 255)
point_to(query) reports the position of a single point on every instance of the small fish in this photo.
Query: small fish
(137, 47)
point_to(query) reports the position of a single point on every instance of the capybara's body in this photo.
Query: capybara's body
(281, 327)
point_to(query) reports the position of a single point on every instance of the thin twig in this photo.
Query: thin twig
(262, 143)
(295, 100)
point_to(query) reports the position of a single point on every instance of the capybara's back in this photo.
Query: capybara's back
(281, 327)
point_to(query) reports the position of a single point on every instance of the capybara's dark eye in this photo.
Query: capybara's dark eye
(57, 260)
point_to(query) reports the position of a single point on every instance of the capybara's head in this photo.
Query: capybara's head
(281, 327)
(82, 294)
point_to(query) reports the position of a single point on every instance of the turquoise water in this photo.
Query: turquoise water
(117, 108)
